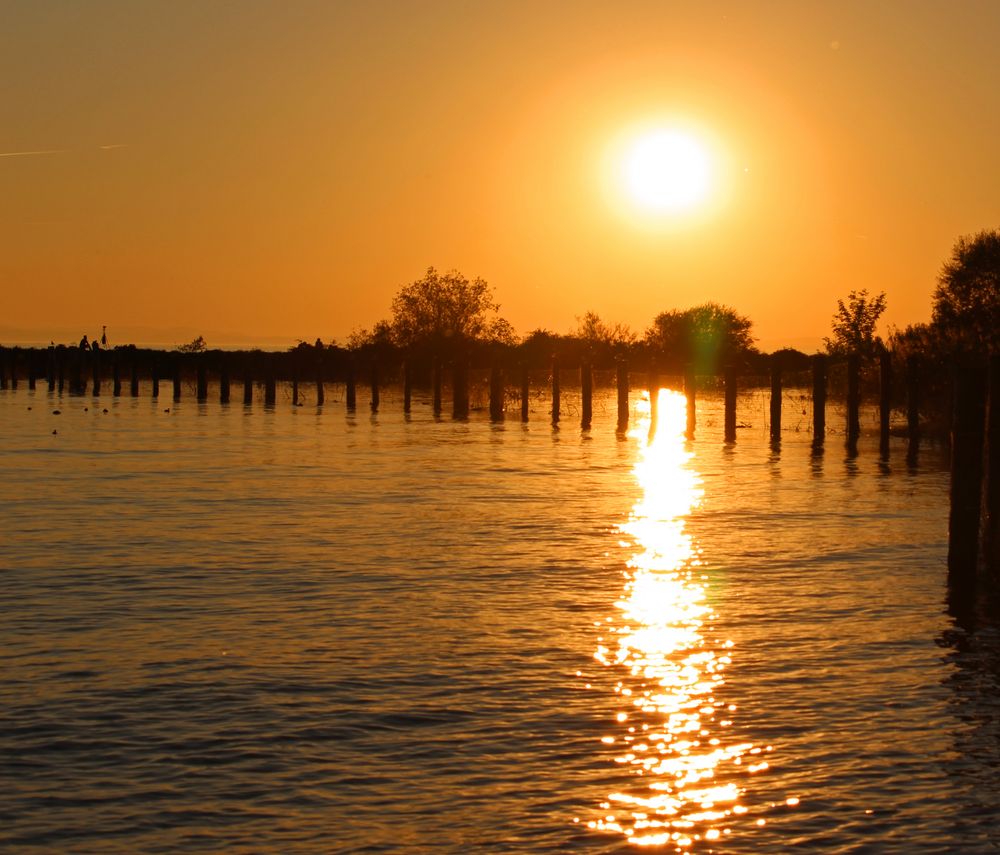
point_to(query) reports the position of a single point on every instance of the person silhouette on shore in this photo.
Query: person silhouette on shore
(95, 345)
(84, 344)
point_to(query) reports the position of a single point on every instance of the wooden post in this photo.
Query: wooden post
(912, 405)
(134, 384)
(969, 416)
(202, 380)
(436, 385)
(375, 390)
(295, 386)
(60, 370)
(13, 369)
(775, 398)
(224, 392)
(247, 389)
(95, 363)
(407, 387)
(991, 491)
(525, 391)
(31, 371)
(819, 366)
(729, 431)
(177, 377)
(270, 385)
(352, 392)
(621, 382)
(654, 396)
(50, 369)
(690, 383)
(496, 392)
(555, 390)
(116, 377)
(460, 389)
(3, 368)
(853, 399)
(320, 390)
(884, 401)
(156, 379)
(586, 395)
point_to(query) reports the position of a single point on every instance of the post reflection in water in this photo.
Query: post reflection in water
(672, 726)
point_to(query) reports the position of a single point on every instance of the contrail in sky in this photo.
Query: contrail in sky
(28, 153)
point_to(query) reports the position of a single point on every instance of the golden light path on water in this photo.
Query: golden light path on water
(672, 726)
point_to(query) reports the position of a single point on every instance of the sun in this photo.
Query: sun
(667, 171)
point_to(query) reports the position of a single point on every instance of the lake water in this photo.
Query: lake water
(245, 630)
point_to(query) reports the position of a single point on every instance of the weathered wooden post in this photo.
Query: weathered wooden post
(407, 386)
(991, 491)
(202, 375)
(116, 377)
(586, 395)
(155, 379)
(729, 430)
(775, 398)
(31, 370)
(95, 364)
(78, 387)
(247, 386)
(295, 385)
(621, 382)
(654, 395)
(912, 406)
(853, 399)
(525, 391)
(819, 368)
(496, 392)
(555, 390)
(460, 389)
(690, 382)
(270, 384)
(320, 390)
(224, 391)
(13, 369)
(176, 364)
(134, 379)
(60, 370)
(968, 422)
(351, 394)
(884, 401)
(50, 366)
(375, 388)
(3, 368)
(436, 385)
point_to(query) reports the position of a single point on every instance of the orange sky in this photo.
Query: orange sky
(268, 171)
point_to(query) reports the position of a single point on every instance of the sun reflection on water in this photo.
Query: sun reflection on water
(671, 726)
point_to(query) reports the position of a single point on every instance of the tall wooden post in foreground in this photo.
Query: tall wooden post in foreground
(376, 400)
(586, 395)
(436, 386)
(177, 377)
(95, 363)
(621, 382)
(729, 432)
(202, 375)
(853, 399)
(31, 371)
(155, 380)
(884, 401)
(407, 386)
(991, 491)
(967, 432)
(653, 380)
(116, 377)
(496, 393)
(819, 365)
(776, 398)
(247, 389)
(224, 383)
(133, 386)
(270, 386)
(13, 369)
(320, 390)
(555, 390)
(460, 389)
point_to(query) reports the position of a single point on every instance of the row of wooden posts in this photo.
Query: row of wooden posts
(55, 376)
(974, 529)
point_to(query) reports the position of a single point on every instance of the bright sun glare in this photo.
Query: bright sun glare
(667, 171)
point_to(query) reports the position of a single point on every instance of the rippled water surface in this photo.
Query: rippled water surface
(291, 630)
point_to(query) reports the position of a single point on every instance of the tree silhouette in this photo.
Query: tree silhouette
(967, 299)
(706, 336)
(854, 324)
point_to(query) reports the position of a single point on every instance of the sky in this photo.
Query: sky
(264, 172)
